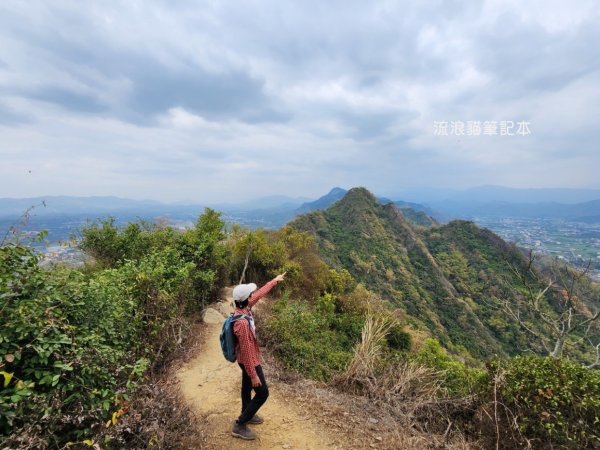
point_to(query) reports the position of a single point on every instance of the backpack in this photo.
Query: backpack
(228, 338)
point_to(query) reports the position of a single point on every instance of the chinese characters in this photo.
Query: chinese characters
(481, 128)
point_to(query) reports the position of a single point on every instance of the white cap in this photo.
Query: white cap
(242, 291)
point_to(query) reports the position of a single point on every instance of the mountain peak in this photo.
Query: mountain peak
(435, 275)
(360, 194)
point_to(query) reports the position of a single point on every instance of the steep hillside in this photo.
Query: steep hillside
(444, 278)
(417, 217)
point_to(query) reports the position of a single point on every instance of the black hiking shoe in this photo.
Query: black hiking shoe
(242, 431)
(256, 420)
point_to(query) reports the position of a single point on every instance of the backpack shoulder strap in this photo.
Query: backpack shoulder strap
(237, 317)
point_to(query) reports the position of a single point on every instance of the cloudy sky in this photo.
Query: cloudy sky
(221, 101)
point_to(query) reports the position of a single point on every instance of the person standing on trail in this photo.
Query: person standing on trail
(245, 296)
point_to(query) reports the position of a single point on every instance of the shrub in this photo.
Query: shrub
(109, 244)
(398, 339)
(75, 344)
(73, 348)
(367, 358)
(385, 375)
(321, 339)
(554, 402)
(268, 253)
(308, 338)
(457, 378)
(53, 366)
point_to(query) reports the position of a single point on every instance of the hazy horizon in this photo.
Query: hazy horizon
(217, 102)
(487, 193)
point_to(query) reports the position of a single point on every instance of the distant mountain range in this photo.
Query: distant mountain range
(500, 202)
(490, 193)
(274, 211)
(271, 212)
(73, 205)
(262, 203)
(325, 201)
(578, 212)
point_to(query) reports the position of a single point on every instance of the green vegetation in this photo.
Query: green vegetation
(449, 280)
(271, 252)
(410, 316)
(418, 218)
(310, 328)
(75, 343)
(553, 402)
(448, 285)
(312, 339)
(456, 378)
(315, 325)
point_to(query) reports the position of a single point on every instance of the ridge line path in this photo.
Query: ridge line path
(211, 387)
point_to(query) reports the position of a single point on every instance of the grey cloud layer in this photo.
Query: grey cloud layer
(326, 93)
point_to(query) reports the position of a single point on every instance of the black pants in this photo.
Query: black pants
(251, 405)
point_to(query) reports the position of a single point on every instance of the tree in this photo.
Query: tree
(557, 307)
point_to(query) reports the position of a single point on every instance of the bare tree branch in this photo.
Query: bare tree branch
(596, 363)
(21, 222)
(248, 252)
(570, 315)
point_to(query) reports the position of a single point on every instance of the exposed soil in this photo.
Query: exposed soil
(211, 387)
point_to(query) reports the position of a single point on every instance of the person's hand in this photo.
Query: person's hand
(256, 381)
(279, 278)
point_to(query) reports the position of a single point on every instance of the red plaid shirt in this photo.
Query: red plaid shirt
(246, 349)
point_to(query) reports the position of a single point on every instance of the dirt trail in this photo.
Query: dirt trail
(211, 386)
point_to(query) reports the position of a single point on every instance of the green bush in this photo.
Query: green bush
(109, 244)
(201, 245)
(458, 379)
(54, 366)
(398, 339)
(318, 338)
(285, 250)
(74, 344)
(555, 402)
(72, 347)
(312, 339)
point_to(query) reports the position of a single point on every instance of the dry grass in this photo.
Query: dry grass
(364, 422)
(393, 384)
(407, 380)
(367, 353)
(157, 418)
(378, 406)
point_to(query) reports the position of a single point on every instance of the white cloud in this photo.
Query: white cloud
(218, 100)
